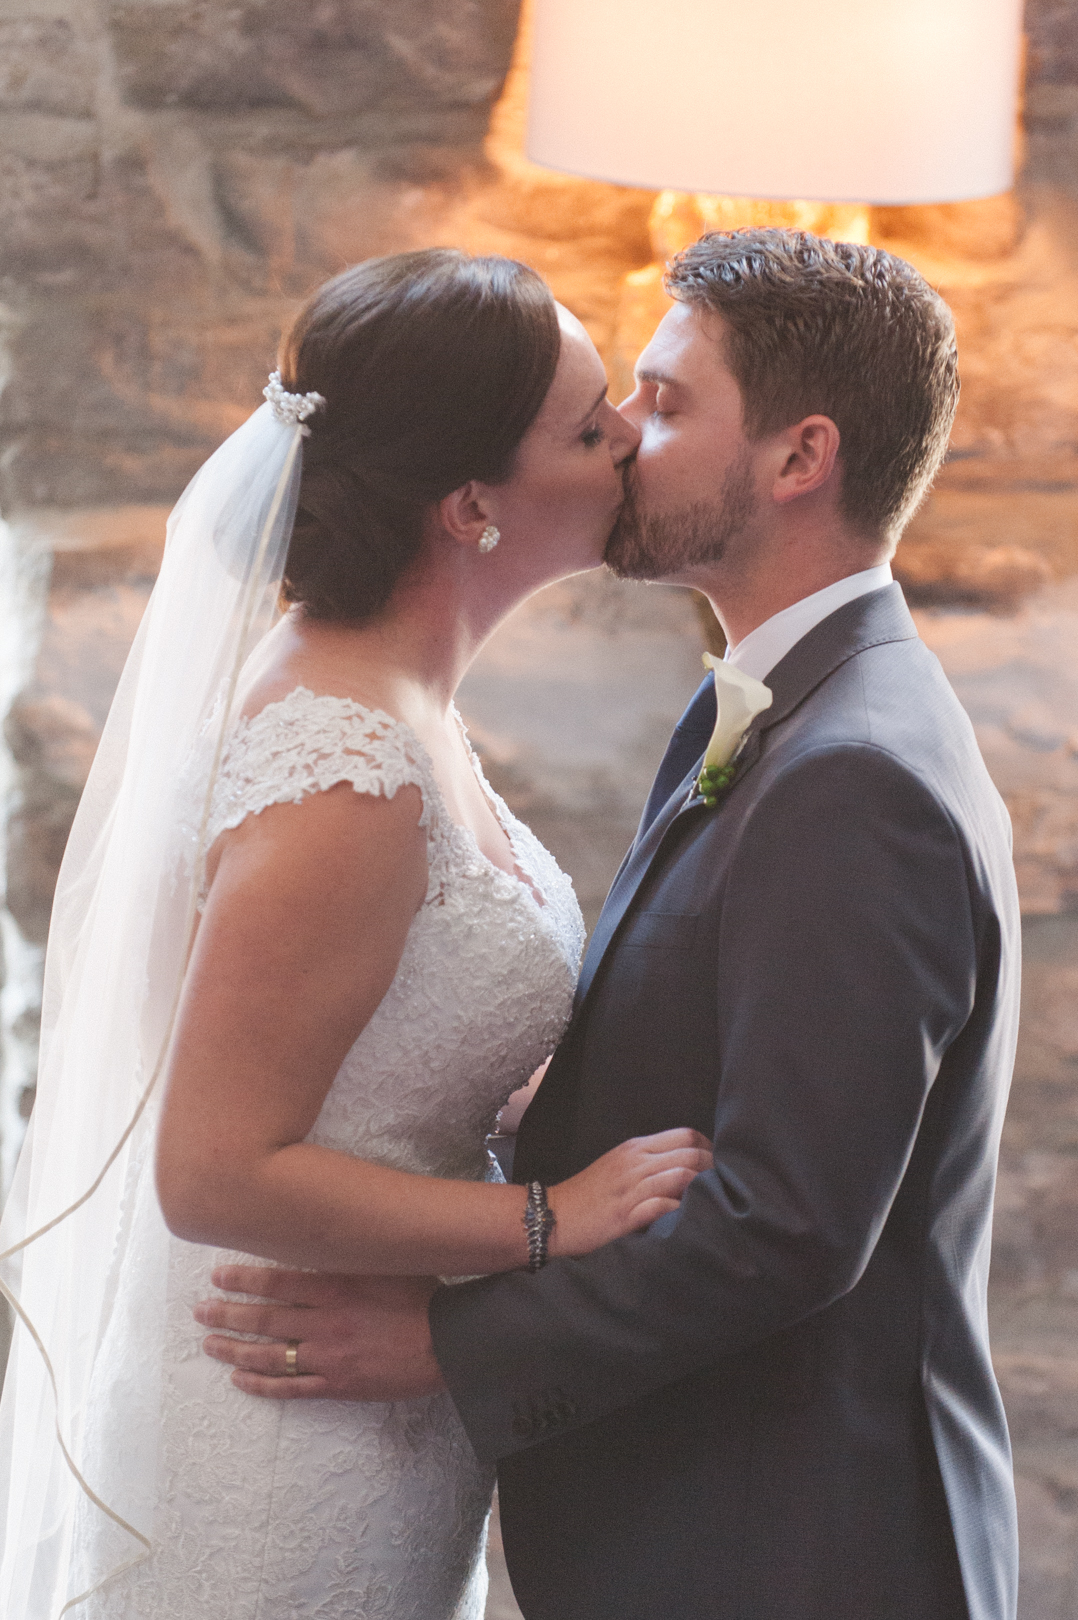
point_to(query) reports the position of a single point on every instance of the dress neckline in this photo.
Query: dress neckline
(520, 874)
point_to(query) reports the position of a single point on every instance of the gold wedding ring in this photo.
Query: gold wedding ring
(291, 1357)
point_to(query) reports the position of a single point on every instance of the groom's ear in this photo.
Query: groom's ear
(808, 453)
(463, 513)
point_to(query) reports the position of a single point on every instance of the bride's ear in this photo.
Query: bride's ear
(464, 513)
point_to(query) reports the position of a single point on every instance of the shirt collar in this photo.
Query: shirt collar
(759, 651)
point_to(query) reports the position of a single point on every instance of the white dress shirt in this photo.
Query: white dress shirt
(759, 651)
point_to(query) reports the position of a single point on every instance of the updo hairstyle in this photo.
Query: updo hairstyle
(433, 366)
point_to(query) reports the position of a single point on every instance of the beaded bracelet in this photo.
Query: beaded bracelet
(539, 1222)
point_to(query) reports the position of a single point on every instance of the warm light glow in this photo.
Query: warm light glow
(881, 101)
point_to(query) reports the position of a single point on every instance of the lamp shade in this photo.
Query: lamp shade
(882, 101)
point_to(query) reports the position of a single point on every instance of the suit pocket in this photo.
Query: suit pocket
(663, 930)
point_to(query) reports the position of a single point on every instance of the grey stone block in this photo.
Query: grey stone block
(1017, 677)
(325, 58)
(47, 65)
(52, 742)
(1052, 31)
(103, 564)
(1034, 1282)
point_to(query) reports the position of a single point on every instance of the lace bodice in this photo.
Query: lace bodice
(317, 1510)
(485, 983)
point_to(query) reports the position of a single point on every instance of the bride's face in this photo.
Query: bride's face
(558, 508)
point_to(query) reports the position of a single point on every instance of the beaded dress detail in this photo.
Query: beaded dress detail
(321, 1510)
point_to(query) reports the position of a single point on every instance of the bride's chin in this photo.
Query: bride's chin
(590, 557)
(596, 551)
(577, 558)
(578, 553)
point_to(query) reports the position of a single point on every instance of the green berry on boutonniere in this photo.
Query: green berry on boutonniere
(713, 780)
(738, 700)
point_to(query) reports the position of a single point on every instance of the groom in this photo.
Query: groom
(777, 1403)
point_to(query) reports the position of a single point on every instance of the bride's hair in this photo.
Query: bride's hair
(433, 365)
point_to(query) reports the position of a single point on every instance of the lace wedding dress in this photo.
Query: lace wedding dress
(315, 1510)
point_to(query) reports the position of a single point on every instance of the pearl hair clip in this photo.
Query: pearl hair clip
(292, 410)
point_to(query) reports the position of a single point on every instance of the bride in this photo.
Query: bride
(302, 954)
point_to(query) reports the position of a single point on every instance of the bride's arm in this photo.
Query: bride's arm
(306, 919)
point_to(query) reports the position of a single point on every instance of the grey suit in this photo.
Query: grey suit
(778, 1403)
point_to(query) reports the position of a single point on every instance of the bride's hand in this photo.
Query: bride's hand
(626, 1189)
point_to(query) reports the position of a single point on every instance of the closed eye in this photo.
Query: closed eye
(592, 437)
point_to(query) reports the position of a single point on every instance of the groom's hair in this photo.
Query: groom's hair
(835, 329)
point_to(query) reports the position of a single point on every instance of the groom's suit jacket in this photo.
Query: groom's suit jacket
(777, 1403)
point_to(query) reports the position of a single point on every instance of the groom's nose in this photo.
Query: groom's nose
(625, 408)
(625, 438)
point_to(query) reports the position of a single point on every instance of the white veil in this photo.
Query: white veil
(123, 920)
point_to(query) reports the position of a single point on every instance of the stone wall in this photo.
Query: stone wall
(175, 175)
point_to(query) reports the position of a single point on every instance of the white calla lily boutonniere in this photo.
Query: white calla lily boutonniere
(739, 698)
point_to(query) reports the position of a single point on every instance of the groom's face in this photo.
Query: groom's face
(691, 493)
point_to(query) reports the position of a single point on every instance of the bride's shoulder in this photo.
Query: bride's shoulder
(301, 742)
(299, 717)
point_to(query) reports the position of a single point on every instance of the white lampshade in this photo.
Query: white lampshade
(882, 101)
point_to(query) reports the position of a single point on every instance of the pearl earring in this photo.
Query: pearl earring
(489, 538)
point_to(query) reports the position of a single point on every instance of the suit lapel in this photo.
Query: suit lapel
(629, 878)
(868, 621)
(690, 738)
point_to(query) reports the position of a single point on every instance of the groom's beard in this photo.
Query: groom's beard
(656, 545)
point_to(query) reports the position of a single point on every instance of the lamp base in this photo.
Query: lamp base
(679, 217)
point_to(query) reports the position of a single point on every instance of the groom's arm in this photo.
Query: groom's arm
(847, 965)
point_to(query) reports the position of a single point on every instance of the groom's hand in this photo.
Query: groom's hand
(354, 1338)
